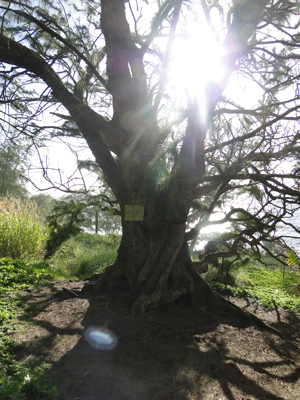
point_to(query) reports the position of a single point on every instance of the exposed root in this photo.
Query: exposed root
(112, 278)
(217, 303)
(184, 280)
(238, 312)
(142, 303)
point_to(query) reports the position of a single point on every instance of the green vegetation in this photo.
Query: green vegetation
(22, 233)
(84, 255)
(19, 380)
(13, 163)
(271, 285)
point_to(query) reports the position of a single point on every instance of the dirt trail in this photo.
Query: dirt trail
(177, 353)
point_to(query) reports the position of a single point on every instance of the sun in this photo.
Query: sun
(196, 61)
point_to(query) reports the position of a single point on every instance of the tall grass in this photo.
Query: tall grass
(84, 255)
(22, 233)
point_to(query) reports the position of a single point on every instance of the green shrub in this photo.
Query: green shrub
(22, 380)
(22, 234)
(83, 255)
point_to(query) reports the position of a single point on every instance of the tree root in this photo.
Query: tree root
(238, 312)
(218, 304)
(186, 281)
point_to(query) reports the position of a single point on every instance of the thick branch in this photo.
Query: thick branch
(127, 78)
(245, 19)
(91, 124)
(57, 36)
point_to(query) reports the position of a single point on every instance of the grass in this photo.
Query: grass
(84, 255)
(268, 285)
(23, 235)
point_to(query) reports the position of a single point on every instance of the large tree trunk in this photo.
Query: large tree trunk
(154, 264)
(157, 269)
(149, 261)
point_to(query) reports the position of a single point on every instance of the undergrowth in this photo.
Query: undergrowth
(269, 286)
(19, 380)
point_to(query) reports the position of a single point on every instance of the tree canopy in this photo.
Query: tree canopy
(12, 170)
(190, 109)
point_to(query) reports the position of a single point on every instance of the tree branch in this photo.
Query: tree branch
(57, 36)
(91, 124)
(253, 133)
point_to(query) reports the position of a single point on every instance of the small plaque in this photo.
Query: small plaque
(134, 212)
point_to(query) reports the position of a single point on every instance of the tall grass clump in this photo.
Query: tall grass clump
(23, 235)
(84, 255)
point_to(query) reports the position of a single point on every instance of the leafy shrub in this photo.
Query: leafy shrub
(16, 274)
(22, 380)
(22, 234)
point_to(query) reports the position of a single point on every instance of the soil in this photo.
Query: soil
(176, 353)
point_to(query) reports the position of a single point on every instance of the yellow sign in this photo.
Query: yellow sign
(134, 212)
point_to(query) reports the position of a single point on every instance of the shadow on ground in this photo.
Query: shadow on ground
(176, 353)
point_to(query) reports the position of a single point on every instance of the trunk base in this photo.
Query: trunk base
(183, 281)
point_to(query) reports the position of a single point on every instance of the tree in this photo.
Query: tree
(44, 202)
(72, 214)
(104, 70)
(12, 169)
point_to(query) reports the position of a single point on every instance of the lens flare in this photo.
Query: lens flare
(100, 338)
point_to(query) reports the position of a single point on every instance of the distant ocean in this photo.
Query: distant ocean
(293, 238)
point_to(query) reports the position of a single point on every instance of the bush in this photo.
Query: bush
(22, 234)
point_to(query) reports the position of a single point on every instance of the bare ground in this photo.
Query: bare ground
(176, 353)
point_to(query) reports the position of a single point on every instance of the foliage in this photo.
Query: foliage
(293, 259)
(13, 160)
(19, 380)
(22, 380)
(16, 272)
(72, 214)
(83, 255)
(22, 233)
(266, 284)
(14, 275)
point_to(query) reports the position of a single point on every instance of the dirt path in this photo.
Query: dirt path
(177, 353)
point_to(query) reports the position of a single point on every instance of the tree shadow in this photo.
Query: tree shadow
(176, 353)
